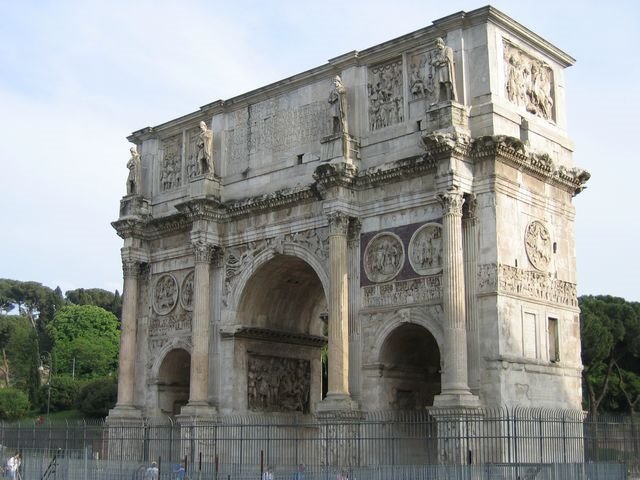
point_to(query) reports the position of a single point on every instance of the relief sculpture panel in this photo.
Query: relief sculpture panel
(383, 257)
(528, 82)
(386, 100)
(165, 294)
(277, 384)
(537, 242)
(171, 168)
(425, 249)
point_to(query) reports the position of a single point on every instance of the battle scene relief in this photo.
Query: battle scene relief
(277, 384)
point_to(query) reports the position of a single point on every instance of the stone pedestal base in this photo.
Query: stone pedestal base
(199, 411)
(121, 414)
(205, 186)
(336, 403)
(134, 206)
(456, 400)
(339, 148)
(446, 116)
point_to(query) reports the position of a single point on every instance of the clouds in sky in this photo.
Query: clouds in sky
(77, 77)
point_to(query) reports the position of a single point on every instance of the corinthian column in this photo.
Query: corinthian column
(470, 239)
(455, 386)
(353, 243)
(338, 388)
(126, 368)
(198, 391)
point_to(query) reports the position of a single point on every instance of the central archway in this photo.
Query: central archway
(280, 338)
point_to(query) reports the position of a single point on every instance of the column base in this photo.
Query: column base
(124, 413)
(454, 400)
(198, 409)
(337, 402)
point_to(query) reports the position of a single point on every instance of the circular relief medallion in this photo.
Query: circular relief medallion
(165, 294)
(537, 243)
(425, 249)
(383, 257)
(186, 292)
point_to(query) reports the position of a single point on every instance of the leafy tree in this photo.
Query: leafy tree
(61, 394)
(22, 356)
(610, 331)
(97, 397)
(86, 339)
(14, 404)
(96, 296)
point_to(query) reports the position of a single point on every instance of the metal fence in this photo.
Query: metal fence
(489, 443)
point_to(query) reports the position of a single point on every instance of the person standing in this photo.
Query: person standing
(13, 466)
(151, 472)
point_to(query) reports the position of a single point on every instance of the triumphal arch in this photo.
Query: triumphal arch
(405, 211)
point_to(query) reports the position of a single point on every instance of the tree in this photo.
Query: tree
(22, 356)
(97, 397)
(14, 404)
(610, 331)
(96, 296)
(86, 339)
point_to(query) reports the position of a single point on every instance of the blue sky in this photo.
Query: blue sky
(77, 77)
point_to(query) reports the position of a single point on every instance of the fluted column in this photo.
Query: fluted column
(353, 244)
(470, 240)
(198, 391)
(126, 367)
(454, 377)
(338, 306)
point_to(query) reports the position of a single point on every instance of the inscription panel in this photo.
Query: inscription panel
(271, 129)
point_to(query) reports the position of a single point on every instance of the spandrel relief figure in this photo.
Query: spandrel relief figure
(338, 106)
(443, 72)
(205, 150)
(134, 179)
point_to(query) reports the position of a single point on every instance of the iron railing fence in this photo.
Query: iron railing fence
(416, 444)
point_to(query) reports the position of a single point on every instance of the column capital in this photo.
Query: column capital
(451, 202)
(338, 223)
(470, 210)
(130, 267)
(203, 251)
(353, 232)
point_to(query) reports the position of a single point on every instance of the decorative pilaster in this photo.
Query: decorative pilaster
(126, 368)
(355, 360)
(338, 389)
(198, 393)
(470, 247)
(455, 387)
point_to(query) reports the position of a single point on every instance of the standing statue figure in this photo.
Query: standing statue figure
(135, 175)
(444, 78)
(204, 155)
(338, 103)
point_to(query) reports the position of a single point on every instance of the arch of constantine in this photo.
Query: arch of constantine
(405, 209)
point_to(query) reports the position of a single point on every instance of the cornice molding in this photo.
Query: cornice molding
(270, 335)
(512, 151)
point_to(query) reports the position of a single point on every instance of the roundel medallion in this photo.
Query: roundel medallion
(165, 294)
(425, 249)
(383, 257)
(537, 243)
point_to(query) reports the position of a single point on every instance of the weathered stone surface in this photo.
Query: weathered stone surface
(409, 206)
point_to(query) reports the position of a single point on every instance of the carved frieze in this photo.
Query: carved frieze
(532, 284)
(171, 168)
(418, 290)
(172, 324)
(165, 294)
(383, 257)
(186, 292)
(537, 242)
(386, 99)
(277, 384)
(528, 82)
(425, 249)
